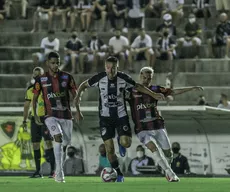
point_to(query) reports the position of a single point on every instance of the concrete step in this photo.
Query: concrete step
(202, 79)
(16, 66)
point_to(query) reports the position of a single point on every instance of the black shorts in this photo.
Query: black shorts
(109, 125)
(39, 131)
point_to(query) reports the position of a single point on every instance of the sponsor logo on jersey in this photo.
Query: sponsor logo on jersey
(46, 85)
(103, 131)
(63, 84)
(145, 106)
(137, 96)
(112, 96)
(55, 95)
(113, 104)
(44, 79)
(112, 85)
(64, 76)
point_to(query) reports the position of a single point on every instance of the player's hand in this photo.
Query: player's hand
(79, 116)
(198, 88)
(158, 96)
(24, 125)
(37, 120)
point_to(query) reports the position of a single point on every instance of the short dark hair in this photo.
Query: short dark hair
(140, 146)
(53, 54)
(112, 59)
(51, 32)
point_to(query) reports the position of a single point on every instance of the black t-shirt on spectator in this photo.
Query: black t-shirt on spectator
(121, 4)
(74, 45)
(63, 4)
(171, 28)
(46, 4)
(95, 44)
(222, 30)
(191, 29)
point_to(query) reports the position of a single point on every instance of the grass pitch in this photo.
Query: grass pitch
(94, 184)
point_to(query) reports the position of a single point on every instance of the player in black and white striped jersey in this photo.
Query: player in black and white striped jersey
(112, 108)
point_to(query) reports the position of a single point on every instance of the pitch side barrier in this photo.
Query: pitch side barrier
(203, 133)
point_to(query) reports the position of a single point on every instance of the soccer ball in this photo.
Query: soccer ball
(108, 174)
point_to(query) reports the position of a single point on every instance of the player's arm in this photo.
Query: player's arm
(178, 91)
(28, 98)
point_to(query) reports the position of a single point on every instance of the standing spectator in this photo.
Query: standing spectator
(192, 32)
(73, 165)
(222, 5)
(100, 9)
(224, 102)
(48, 44)
(201, 9)
(5, 9)
(167, 24)
(221, 37)
(72, 52)
(24, 4)
(43, 12)
(141, 48)
(140, 160)
(166, 47)
(103, 161)
(119, 11)
(118, 47)
(202, 101)
(180, 162)
(96, 51)
(156, 8)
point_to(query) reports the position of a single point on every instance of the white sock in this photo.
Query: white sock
(58, 156)
(160, 160)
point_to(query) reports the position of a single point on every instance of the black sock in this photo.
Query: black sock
(37, 159)
(115, 165)
(50, 153)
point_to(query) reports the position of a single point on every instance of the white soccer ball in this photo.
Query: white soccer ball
(108, 174)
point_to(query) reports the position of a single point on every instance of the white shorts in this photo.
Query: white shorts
(43, 16)
(90, 57)
(159, 135)
(189, 43)
(41, 56)
(222, 4)
(60, 126)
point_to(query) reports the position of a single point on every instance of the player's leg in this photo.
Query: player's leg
(36, 139)
(56, 132)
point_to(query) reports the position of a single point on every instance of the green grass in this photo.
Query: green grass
(94, 184)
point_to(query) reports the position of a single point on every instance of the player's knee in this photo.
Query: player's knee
(169, 155)
(125, 141)
(36, 146)
(58, 138)
(49, 144)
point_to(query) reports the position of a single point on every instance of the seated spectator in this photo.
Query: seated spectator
(166, 47)
(221, 37)
(224, 102)
(73, 165)
(180, 162)
(61, 8)
(202, 101)
(119, 11)
(140, 160)
(201, 9)
(141, 48)
(103, 161)
(175, 8)
(43, 12)
(192, 32)
(167, 24)
(5, 9)
(156, 8)
(24, 4)
(100, 9)
(48, 44)
(96, 51)
(222, 5)
(118, 47)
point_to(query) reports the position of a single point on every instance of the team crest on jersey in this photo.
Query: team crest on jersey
(44, 79)
(112, 85)
(64, 76)
(8, 128)
(37, 86)
(63, 84)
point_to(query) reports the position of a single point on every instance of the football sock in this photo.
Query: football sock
(37, 159)
(115, 165)
(58, 155)
(50, 153)
(160, 160)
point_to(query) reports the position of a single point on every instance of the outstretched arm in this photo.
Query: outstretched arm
(178, 91)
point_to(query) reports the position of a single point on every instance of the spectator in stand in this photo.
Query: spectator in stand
(222, 36)
(43, 12)
(156, 8)
(180, 163)
(202, 101)
(140, 160)
(5, 9)
(119, 11)
(72, 49)
(141, 48)
(73, 165)
(118, 47)
(48, 44)
(95, 51)
(100, 10)
(175, 8)
(61, 8)
(167, 24)
(192, 33)
(201, 9)
(224, 102)
(222, 5)
(166, 47)
(24, 4)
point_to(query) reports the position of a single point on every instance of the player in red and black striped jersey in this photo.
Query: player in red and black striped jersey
(56, 87)
(149, 124)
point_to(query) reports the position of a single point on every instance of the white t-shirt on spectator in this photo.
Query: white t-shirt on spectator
(224, 107)
(139, 43)
(173, 4)
(118, 44)
(50, 46)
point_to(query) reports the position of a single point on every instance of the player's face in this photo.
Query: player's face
(146, 79)
(36, 73)
(53, 64)
(111, 70)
